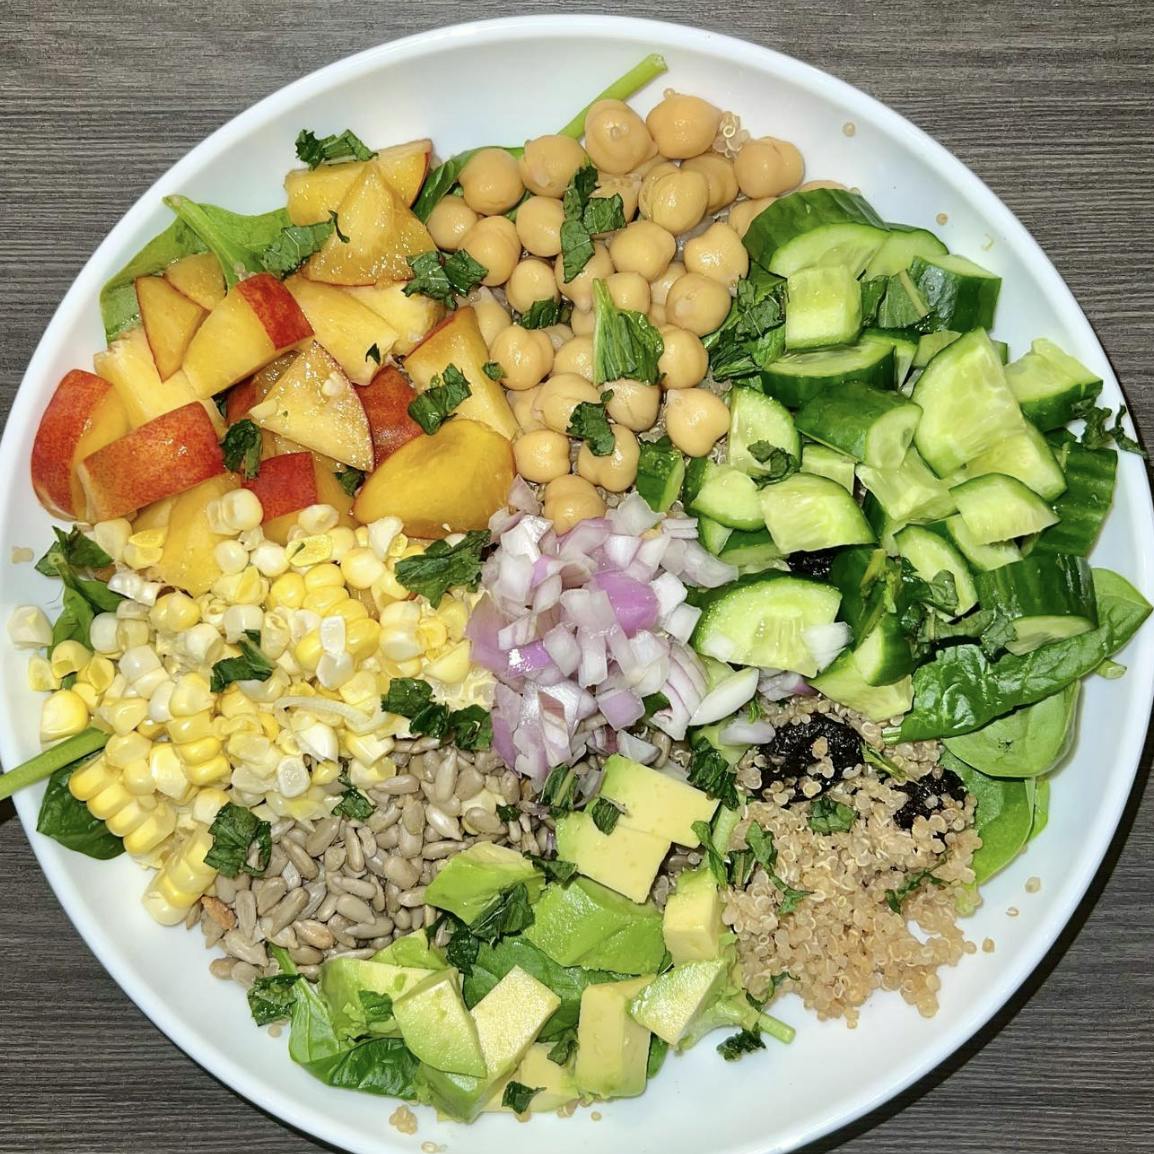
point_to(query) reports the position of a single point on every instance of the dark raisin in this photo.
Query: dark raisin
(815, 564)
(927, 794)
(790, 753)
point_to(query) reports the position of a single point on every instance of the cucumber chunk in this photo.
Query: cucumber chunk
(909, 493)
(755, 417)
(931, 554)
(883, 525)
(807, 512)
(872, 425)
(712, 535)
(797, 378)
(901, 246)
(824, 307)
(1024, 455)
(750, 551)
(1082, 509)
(660, 474)
(829, 463)
(1000, 508)
(981, 557)
(967, 407)
(959, 294)
(722, 493)
(856, 574)
(902, 306)
(885, 654)
(845, 683)
(905, 349)
(930, 344)
(760, 620)
(820, 226)
(1050, 384)
(1048, 597)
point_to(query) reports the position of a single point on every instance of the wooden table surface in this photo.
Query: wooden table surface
(1050, 102)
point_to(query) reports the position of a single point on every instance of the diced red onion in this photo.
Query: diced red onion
(523, 498)
(620, 708)
(563, 648)
(776, 685)
(636, 748)
(518, 632)
(670, 592)
(633, 516)
(683, 527)
(594, 666)
(524, 660)
(740, 732)
(619, 551)
(547, 594)
(825, 642)
(727, 697)
(634, 605)
(693, 563)
(589, 609)
(682, 621)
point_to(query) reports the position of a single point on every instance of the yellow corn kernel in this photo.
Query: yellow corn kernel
(195, 752)
(351, 609)
(326, 772)
(111, 799)
(69, 657)
(455, 615)
(122, 714)
(226, 727)
(130, 633)
(341, 539)
(387, 589)
(167, 771)
(90, 779)
(360, 567)
(270, 726)
(182, 881)
(247, 587)
(326, 576)
(253, 748)
(141, 556)
(359, 688)
(287, 592)
(307, 651)
(87, 694)
(174, 612)
(408, 549)
(208, 803)
(64, 714)
(150, 729)
(182, 729)
(149, 538)
(362, 637)
(40, 675)
(325, 599)
(158, 825)
(123, 749)
(207, 772)
(310, 550)
(233, 703)
(409, 668)
(130, 816)
(99, 673)
(138, 779)
(432, 634)
(191, 695)
(452, 667)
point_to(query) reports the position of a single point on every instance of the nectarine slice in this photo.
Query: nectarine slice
(386, 401)
(189, 558)
(128, 363)
(285, 484)
(413, 317)
(170, 319)
(199, 277)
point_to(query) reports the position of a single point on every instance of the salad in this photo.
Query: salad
(533, 611)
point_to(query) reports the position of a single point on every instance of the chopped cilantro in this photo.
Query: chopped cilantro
(241, 448)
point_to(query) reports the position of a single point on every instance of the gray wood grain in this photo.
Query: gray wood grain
(1050, 101)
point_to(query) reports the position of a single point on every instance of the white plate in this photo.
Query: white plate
(454, 85)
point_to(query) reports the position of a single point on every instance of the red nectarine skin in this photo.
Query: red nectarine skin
(285, 484)
(276, 309)
(165, 456)
(386, 399)
(64, 422)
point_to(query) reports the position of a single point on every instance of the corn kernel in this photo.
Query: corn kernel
(90, 779)
(206, 772)
(270, 558)
(174, 612)
(319, 741)
(191, 695)
(452, 666)
(360, 567)
(110, 800)
(233, 703)
(388, 589)
(230, 556)
(326, 772)
(362, 638)
(167, 771)
(309, 550)
(241, 619)
(292, 777)
(240, 510)
(190, 728)
(29, 628)
(69, 657)
(432, 634)
(40, 675)
(123, 749)
(342, 539)
(150, 729)
(368, 747)
(195, 752)
(287, 592)
(382, 534)
(112, 536)
(138, 779)
(269, 724)
(99, 672)
(351, 609)
(326, 576)
(269, 690)
(141, 556)
(254, 749)
(138, 661)
(208, 803)
(325, 601)
(247, 587)
(127, 818)
(160, 703)
(455, 615)
(316, 519)
(334, 669)
(400, 645)
(158, 825)
(86, 694)
(122, 714)
(149, 538)
(64, 714)
(104, 633)
(307, 651)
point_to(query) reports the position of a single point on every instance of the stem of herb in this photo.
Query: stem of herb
(47, 763)
(633, 81)
(776, 1028)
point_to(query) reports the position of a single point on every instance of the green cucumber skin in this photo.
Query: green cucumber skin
(725, 495)
(824, 308)
(660, 475)
(842, 419)
(750, 549)
(905, 350)
(899, 249)
(1050, 585)
(957, 300)
(843, 682)
(755, 416)
(713, 535)
(885, 654)
(1024, 455)
(797, 378)
(1091, 475)
(1050, 384)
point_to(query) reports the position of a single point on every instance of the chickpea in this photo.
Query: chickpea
(718, 254)
(809, 184)
(583, 322)
(492, 317)
(633, 404)
(718, 172)
(659, 288)
(643, 247)
(628, 187)
(580, 289)
(559, 336)
(575, 356)
(677, 201)
(616, 472)
(656, 316)
(571, 499)
(559, 396)
(491, 182)
(538, 225)
(549, 162)
(684, 361)
(616, 137)
(542, 455)
(449, 221)
(695, 419)
(525, 356)
(683, 126)
(697, 303)
(745, 212)
(493, 242)
(524, 406)
(532, 281)
(768, 167)
(653, 173)
(629, 290)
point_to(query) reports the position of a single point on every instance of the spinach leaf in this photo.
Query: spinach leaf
(961, 690)
(68, 821)
(517, 1096)
(271, 999)
(239, 242)
(1004, 816)
(83, 597)
(1041, 806)
(251, 665)
(346, 145)
(589, 423)
(626, 344)
(432, 408)
(658, 1052)
(443, 566)
(72, 550)
(241, 448)
(235, 831)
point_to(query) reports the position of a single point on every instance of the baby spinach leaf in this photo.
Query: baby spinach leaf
(68, 820)
(442, 567)
(239, 242)
(626, 344)
(1041, 806)
(72, 550)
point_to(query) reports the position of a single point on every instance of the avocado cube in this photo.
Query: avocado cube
(438, 1028)
(412, 950)
(671, 1002)
(586, 924)
(655, 803)
(556, 1084)
(612, 1048)
(692, 926)
(473, 878)
(627, 860)
(343, 979)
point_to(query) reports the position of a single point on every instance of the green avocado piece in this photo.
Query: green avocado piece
(671, 1002)
(586, 924)
(692, 925)
(612, 1047)
(342, 980)
(412, 950)
(437, 1028)
(626, 860)
(476, 876)
(556, 1086)
(655, 803)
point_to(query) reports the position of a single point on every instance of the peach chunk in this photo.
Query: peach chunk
(386, 401)
(170, 320)
(189, 558)
(199, 277)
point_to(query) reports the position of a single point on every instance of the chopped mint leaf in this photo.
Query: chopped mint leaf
(509, 812)
(241, 448)
(350, 479)
(586, 215)
(779, 463)
(605, 814)
(711, 773)
(315, 151)
(563, 1048)
(492, 370)
(517, 1096)
(251, 665)
(373, 353)
(558, 792)
(626, 344)
(442, 566)
(654, 703)
(444, 278)
(829, 816)
(471, 728)
(336, 223)
(738, 1045)
(295, 244)
(896, 898)
(540, 314)
(510, 913)
(234, 831)
(272, 999)
(590, 423)
(354, 804)
(432, 408)
(407, 696)
(555, 869)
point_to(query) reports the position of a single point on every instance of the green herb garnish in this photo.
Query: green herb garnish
(272, 999)
(432, 408)
(517, 1096)
(604, 814)
(251, 665)
(626, 344)
(315, 151)
(829, 816)
(444, 278)
(235, 831)
(590, 423)
(241, 448)
(443, 566)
